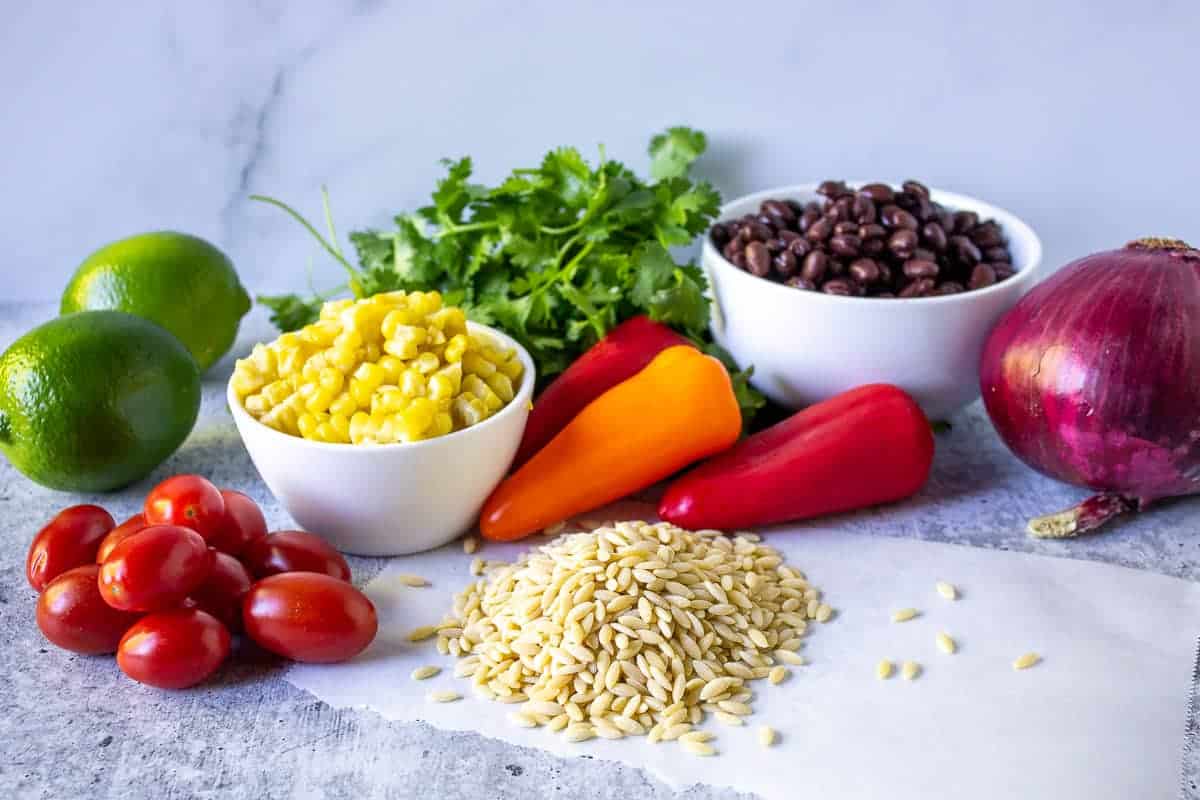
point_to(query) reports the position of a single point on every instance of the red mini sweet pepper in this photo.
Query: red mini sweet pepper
(620, 355)
(864, 447)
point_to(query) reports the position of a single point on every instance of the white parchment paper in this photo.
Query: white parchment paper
(1102, 717)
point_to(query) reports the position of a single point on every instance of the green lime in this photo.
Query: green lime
(181, 282)
(94, 401)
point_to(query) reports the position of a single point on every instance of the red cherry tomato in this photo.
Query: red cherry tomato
(73, 615)
(221, 593)
(119, 534)
(309, 617)
(154, 569)
(188, 501)
(69, 540)
(294, 551)
(244, 522)
(173, 649)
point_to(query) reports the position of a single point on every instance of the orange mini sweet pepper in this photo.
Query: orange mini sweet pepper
(678, 409)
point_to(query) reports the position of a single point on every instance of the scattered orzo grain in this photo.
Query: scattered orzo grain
(470, 545)
(422, 633)
(444, 696)
(415, 581)
(904, 614)
(778, 675)
(422, 673)
(824, 613)
(909, 670)
(477, 566)
(767, 736)
(555, 529)
(1026, 661)
(700, 748)
(946, 643)
(883, 670)
(631, 629)
(947, 590)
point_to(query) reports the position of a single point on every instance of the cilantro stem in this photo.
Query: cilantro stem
(333, 237)
(450, 229)
(333, 250)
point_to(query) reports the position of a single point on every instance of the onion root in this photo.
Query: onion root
(1083, 518)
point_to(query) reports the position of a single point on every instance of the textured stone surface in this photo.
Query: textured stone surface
(73, 726)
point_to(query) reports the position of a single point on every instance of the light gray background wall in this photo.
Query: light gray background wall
(132, 116)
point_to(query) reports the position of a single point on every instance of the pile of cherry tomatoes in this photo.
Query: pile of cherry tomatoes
(166, 589)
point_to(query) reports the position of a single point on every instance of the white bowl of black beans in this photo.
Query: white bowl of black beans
(825, 287)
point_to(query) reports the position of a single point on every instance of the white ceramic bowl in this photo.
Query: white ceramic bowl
(391, 499)
(807, 346)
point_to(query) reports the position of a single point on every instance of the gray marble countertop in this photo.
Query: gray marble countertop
(73, 726)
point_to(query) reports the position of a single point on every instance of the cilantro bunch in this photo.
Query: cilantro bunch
(555, 255)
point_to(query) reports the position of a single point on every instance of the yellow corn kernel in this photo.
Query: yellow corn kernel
(468, 410)
(443, 423)
(332, 309)
(392, 367)
(321, 333)
(276, 392)
(264, 359)
(348, 339)
(372, 352)
(416, 419)
(317, 399)
(361, 430)
(491, 401)
(370, 375)
(360, 393)
(451, 320)
(326, 433)
(343, 405)
(396, 318)
(475, 385)
(412, 383)
(440, 387)
(308, 424)
(455, 348)
(345, 359)
(454, 373)
(290, 359)
(477, 364)
(341, 426)
(247, 379)
(513, 368)
(500, 384)
(426, 363)
(257, 405)
(388, 400)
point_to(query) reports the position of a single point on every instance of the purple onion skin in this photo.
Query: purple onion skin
(1093, 378)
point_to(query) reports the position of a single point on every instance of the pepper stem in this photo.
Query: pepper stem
(1085, 517)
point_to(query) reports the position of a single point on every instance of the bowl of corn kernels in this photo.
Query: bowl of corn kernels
(385, 424)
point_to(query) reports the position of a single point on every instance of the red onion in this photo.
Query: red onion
(1093, 378)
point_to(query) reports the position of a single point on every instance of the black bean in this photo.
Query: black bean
(731, 249)
(986, 235)
(768, 220)
(896, 217)
(884, 294)
(720, 236)
(789, 236)
(902, 243)
(780, 211)
(946, 220)
(982, 276)
(864, 270)
(739, 259)
(934, 236)
(964, 221)
(837, 266)
(814, 266)
(775, 245)
(871, 231)
(820, 230)
(842, 228)
(839, 286)
(845, 208)
(885, 273)
(758, 259)
(1003, 270)
(964, 250)
(845, 245)
(997, 254)
(832, 189)
(915, 188)
(949, 287)
(797, 282)
(785, 264)
(924, 210)
(873, 247)
(918, 288)
(920, 268)
(877, 192)
(756, 231)
(810, 215)
(864, 210)
(799, 247)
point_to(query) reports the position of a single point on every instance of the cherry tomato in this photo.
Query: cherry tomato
(294, 551)
(188, 501)
(154, 569)
(173, 649)
(244, 522)
(119, 534)
(309, 617)
(73, 615)
(221, 593)
(69, 540)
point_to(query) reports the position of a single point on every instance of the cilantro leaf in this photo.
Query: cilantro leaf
(673, 151)
(290, 312)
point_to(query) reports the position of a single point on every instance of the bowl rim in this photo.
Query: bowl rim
(1017, 228)
(521, 399)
